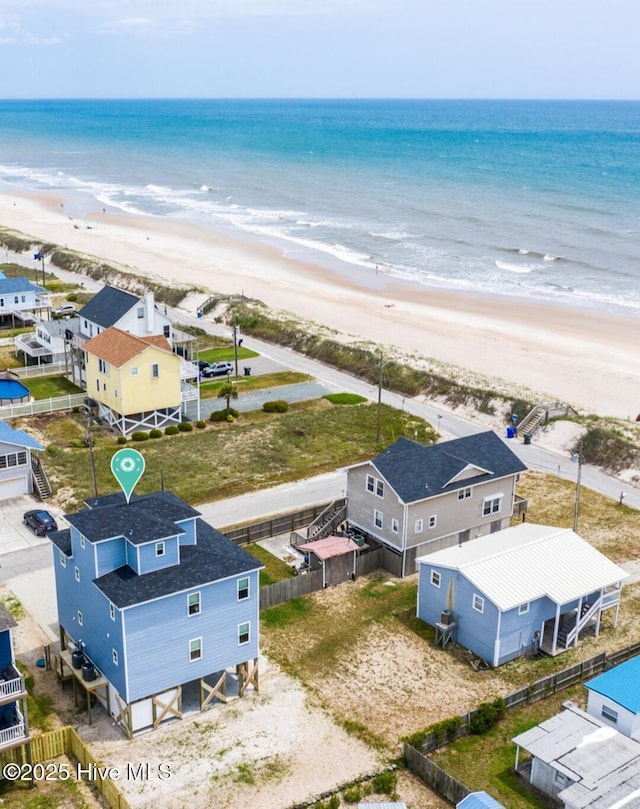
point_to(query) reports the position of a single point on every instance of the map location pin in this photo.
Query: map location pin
(127, 466)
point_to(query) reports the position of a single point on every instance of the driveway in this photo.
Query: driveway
(14, 534)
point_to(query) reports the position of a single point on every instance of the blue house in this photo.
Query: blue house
(22, 300)
(16, 462)
(14, 728)
(511, 593)
(614, 697)
(151, 598)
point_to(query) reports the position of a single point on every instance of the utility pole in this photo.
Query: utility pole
(89, 441)
(380, 367)
(235, 344)
(577, 457)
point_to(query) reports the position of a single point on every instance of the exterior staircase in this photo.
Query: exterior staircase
(41, 483)
(324, 524)
(541, 414)
(571, 625)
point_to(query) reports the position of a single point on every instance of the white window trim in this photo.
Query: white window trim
(248, 633)
(114, 657)
(199, 610)
(436, 579)
(248, 588)
(370, 483)
(395, 525)
(465, 494)
(378, 514)
(112, 612)
(379, 488)
(160, 548)
(419, 526)
(478, 603)
(191, 658)
(76, 573)
(63, 560)
(523, 609)
(490, 501)
(82, 543)
(433, 521)
(609, 714)
(80, 619)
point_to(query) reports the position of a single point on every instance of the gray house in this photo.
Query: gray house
(580, 762)
(16, 465)
(417, 499)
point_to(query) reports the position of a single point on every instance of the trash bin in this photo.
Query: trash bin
(527, 438)
(509, 432)
(247, 370)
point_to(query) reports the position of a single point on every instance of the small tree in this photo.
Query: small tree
(228, 391)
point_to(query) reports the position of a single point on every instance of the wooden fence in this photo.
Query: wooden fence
(283, 524)
(66, 742)
(438, 780)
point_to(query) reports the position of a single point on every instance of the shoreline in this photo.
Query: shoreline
(584, 358)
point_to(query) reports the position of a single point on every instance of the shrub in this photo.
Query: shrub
(352, 794)
(221, 415)
(52, 449)
(385, 783)
(277, 406)
(155, 433)
(139, 435)
(77, 443)
(122, 439)
(334, 802)
(171, 430)
(185, 427)
(72, 297)
(201, 424)
(486, 716)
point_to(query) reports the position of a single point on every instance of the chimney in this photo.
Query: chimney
(149, 311)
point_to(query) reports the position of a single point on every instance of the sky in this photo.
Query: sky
(319, 48)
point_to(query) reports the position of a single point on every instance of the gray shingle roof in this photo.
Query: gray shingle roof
(214, 557)
(62, 540)
(138, 522)
(416, 472)
(108, 306)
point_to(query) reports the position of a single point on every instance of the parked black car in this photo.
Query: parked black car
(218, 369)
(40, 521)
(202, 364)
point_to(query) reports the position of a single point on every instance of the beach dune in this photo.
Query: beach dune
(585, 358)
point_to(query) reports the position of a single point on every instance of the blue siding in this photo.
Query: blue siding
(158, 635)
(189, 527)
(518, 632)
(110, 556)
(148, 559)
(131, 552)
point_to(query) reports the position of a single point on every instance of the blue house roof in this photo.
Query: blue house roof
(108, 306)
(416, 472)
(479, 800)
(620, 684)
(20, 284)
(18, 437)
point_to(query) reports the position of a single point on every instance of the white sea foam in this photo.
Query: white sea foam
(550, 257)
(522, 269)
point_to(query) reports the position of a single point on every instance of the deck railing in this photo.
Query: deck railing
(13, 687)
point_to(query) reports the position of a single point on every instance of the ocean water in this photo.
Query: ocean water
(531, 199)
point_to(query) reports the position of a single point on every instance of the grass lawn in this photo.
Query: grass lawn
(209, 388)
(226, 353)
(45, 387)
(486, 762)
(275, 569)
(256, 451)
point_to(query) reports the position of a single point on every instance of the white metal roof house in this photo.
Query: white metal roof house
(416, 499)
(479, 800)
(614, 697)
(511, 593)
(581, 762)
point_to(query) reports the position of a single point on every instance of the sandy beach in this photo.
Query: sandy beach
(586, 359)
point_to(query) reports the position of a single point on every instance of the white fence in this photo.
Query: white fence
(46, 369)
(42, 406)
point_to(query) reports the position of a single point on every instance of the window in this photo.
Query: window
(243, 589)
(243, 633)
(166, 331)
(114, 657)
(610, 714)
(193, 604)
(76, 573)
(63, 559)
(134, 372)
(394, 525)
(103, 367)
(492, 505)
(82, 542)
(523, 609)
(98, 385)
(159, 548)
(464, 494)
(377, 518)
(379, 488)
(155, 370)
(433, 520)
(13, 459)
(418, 526)
(478, 603)
(195, 649)
(371, 483)
(435, 578)
(140, 312)
(80, 619)
(112, 612)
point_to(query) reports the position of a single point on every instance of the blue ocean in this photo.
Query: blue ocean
(533, 199)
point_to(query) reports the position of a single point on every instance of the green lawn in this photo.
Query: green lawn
(226, 353)
(275, 569)
(209, 388)
(45, 387)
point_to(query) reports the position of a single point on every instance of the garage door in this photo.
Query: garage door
(13, 487)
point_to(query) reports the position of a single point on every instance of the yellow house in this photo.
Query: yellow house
(135, 380)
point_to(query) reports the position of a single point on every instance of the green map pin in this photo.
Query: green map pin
(127, 466)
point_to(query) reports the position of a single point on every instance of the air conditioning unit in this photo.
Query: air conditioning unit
(446, 617)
